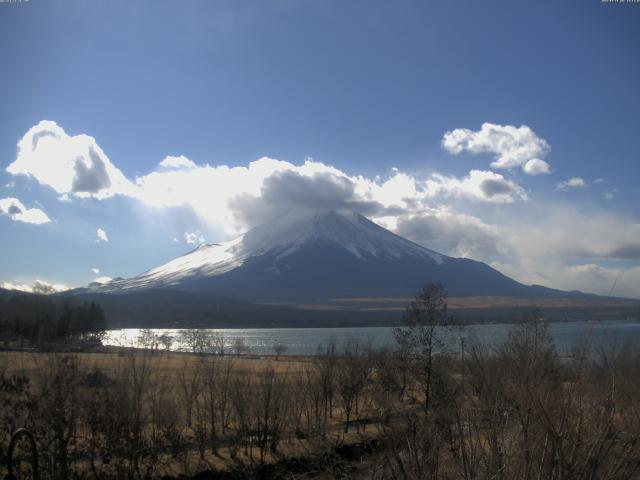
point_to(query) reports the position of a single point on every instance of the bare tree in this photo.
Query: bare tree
(217, 373)
(198, 340)
(326, 366)
(148, 339)
(60, 409)
(270, 410)
(219, 343)
(190, 383)
(166, 341)
(279, 349)
(353, 371)
(240, 346)
(421, 338)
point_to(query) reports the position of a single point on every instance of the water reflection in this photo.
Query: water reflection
(305, 341)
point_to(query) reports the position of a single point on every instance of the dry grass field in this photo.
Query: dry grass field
(410, 413)
(177, 396)
(165, 364)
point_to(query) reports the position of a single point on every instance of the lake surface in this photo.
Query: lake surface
(305, 341)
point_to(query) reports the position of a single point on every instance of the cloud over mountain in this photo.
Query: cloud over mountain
(235, 198)
(459, 234)
(474, 214)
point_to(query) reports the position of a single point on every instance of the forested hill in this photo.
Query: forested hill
(36, 319)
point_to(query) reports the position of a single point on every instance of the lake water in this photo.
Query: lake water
(303, 341)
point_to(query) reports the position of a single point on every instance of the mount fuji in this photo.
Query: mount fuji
(320, 257)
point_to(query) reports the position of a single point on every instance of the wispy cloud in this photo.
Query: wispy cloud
(102, 235)
(574, 182)
(194, 238)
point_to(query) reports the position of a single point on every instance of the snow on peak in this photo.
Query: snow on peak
(350, 230)
(281, 237)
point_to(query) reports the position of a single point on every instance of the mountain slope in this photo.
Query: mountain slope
(320, 257)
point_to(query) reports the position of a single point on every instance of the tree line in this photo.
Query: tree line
(37, 320)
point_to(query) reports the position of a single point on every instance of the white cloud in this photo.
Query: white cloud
(39, 286)
(574, 182)
(177, 163)
(232, 199)
(206, 189)
(512, 146)
(400, 189)
(479, 184)
(194, 238)
(102, 235)
(14, 209)
(535, 166)
(96, 271)
(68, 164)
(218, 194)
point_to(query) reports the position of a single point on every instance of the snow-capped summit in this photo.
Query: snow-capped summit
(349, 230)
(317, 256)
(280, 238)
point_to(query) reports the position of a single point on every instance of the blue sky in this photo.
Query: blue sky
(368, 90)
